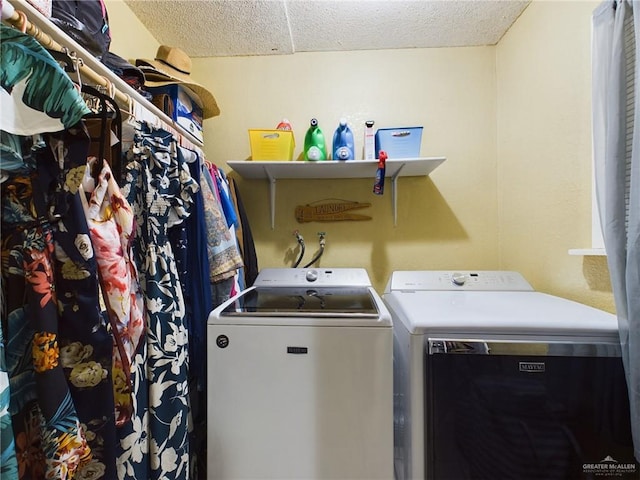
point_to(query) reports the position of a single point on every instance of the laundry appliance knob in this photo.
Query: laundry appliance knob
(458, 279)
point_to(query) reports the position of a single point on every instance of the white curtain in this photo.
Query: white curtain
(616, 137)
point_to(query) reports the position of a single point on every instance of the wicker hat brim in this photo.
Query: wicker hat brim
(158, 74)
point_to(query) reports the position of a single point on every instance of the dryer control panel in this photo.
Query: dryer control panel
(438, 280)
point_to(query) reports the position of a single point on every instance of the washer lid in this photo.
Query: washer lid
(497, 313)
(324, 306)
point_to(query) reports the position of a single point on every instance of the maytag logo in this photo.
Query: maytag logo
(532, 367)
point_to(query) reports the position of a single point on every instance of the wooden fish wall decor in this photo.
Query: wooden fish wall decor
(330, 211)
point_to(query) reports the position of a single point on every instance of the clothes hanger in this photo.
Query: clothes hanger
(65, 61)
(104, 109)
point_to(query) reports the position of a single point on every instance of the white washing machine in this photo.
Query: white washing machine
(300, 379)
(496, 381)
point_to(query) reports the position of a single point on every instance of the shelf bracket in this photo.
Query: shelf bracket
(394, 194)
(272, 196)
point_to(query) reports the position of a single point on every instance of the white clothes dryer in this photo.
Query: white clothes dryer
(300, 379)
(493, 380)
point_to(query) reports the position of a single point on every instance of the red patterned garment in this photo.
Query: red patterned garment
(111, 228)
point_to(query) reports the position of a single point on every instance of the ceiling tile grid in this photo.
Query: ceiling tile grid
(215, 28)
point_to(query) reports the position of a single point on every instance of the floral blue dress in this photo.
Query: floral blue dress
(157, 184)
(56, 413)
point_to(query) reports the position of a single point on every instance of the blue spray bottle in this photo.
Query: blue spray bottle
(343, 142)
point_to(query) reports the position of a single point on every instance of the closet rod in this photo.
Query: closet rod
(46, 41)
(89, 65)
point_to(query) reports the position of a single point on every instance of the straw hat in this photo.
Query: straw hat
(172, 66)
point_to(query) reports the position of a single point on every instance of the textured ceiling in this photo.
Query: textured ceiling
(216, 28)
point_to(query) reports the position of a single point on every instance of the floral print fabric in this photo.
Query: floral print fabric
(57, 428)
(224, 258)
(49, 439)
(8, 462)
(84, 341)
(157, 184)
(57, 410)
(111, 223)
(58, 350)
(37, 96)
(189, 241)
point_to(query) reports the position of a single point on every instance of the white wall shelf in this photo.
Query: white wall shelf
(274, 170)
(588, 252)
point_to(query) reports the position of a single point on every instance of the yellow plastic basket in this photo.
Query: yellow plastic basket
(271, 144)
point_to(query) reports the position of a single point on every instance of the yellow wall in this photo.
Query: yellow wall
(513, 122)
(447, 220)
(544, 151)
(130, 39)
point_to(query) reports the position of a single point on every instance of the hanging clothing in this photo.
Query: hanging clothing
(51, 436)
(84, 341)
(190, 237)
(155, 445)
(249, 256)
(132, 450)
(616, 146)
(36, 96)
(111, 222)
(8, 462)
(222, 191)
(61, 417)
(225, 288)
(224, 258)
(10, 154)
(195, 279)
